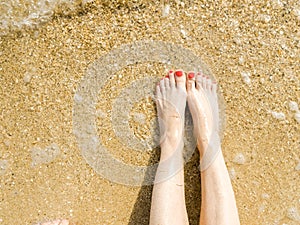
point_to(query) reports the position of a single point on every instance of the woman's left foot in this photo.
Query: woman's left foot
(203, 104)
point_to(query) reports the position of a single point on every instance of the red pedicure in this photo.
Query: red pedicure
(167, 76)
(191, 75)
(171, 71)
(178, 73)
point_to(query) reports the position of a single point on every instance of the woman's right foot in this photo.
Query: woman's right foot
(171, 102)
(203, 104)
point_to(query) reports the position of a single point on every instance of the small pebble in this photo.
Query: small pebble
(293, 106)
(78, 98)
(166, 10)
(3, 166)
(239, 159)
(47, 155)
(261, 208)
(232, 173)
(183, 33)
(278, 115)
(265, 18)
(241, 60)
(7, 142)
(297, 117)
(277, 4)
(246, 77)
(296, 12)
(27, 77)
(265, 196)
(86, 1)
(293, 214)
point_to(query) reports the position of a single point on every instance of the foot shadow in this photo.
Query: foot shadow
(141, 211)
(193, 188)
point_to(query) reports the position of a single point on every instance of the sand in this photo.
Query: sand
(251, 48)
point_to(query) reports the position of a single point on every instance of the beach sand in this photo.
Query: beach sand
(251, 48)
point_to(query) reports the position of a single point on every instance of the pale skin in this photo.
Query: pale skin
(218, 206)
(168, 203)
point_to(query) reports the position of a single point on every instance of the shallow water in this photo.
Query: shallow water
(251, 48)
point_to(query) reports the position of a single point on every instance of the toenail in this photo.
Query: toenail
(191, 75)
(171, 71)
(178, 73)
(167, 76)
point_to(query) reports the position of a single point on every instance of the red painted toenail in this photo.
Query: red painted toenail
(191, 75)
(167, 76)
(171, 71)
(178, 73)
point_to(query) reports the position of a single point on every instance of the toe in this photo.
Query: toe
(162, 86)
(180, 79)
(214, 87)
(202, 81)
(171, 78)
(191, 81)
(208, 84)
(198, 81)
(205, 78)
(167, 82)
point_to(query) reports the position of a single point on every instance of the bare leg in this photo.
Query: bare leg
(168, 200)
(218, 202)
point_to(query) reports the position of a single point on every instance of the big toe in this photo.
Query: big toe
(180, 79)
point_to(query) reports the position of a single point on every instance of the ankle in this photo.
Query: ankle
(208, 144)
(172, 141)
(171, 149)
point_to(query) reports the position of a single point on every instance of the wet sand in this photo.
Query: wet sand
(252, 50)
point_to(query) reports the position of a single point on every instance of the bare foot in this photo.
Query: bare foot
(55, 222)
(171, 101)
(203, 104)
